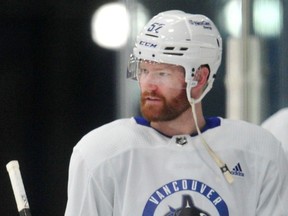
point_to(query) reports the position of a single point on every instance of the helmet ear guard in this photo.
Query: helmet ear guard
(193, 81)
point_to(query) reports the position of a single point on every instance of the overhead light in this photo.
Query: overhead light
(233, 17)
(267, 17)
(110, 26)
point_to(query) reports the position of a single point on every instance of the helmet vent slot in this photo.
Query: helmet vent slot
(169, 48)
(150, 35)
(184, 48)
(218, 43)
(175, 54)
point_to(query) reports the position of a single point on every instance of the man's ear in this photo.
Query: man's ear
(201, 76)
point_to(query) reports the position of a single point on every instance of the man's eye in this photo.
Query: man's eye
(163, 74)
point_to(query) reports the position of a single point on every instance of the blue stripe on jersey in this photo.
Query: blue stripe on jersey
(142, 121)
(211, 122)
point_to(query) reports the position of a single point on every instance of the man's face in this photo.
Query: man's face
(163, 93)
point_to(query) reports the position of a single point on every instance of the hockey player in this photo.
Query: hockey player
(173, 160)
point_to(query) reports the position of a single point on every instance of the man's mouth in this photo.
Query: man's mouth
(151, 98)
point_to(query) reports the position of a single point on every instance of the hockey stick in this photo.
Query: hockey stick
(18, 188)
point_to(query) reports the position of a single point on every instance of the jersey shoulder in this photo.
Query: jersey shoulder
(277, 121)
(250, 137)
(109, 140)
(277, 124)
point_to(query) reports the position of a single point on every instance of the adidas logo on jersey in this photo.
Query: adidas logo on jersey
(237, 170)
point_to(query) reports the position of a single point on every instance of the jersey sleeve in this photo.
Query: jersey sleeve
(85, 195)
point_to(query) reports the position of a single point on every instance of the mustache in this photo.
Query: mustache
(147, 94)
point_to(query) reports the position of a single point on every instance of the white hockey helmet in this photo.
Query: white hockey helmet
(176, 37)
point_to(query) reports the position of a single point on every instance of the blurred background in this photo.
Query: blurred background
(63, 68)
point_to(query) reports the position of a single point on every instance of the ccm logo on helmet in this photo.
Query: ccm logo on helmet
(147, 44)
(205, 24)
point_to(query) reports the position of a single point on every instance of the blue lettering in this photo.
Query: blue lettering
(155, 27)
(147, 44)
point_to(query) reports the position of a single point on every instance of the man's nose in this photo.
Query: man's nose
(150, 81)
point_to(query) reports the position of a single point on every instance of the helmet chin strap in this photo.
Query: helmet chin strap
(223, 167)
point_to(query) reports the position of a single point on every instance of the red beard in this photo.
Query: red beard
(163, 110)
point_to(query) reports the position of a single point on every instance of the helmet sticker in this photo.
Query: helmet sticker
(205, 24)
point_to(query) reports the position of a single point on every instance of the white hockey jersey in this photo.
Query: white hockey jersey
(277, 124)
(127, 168)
